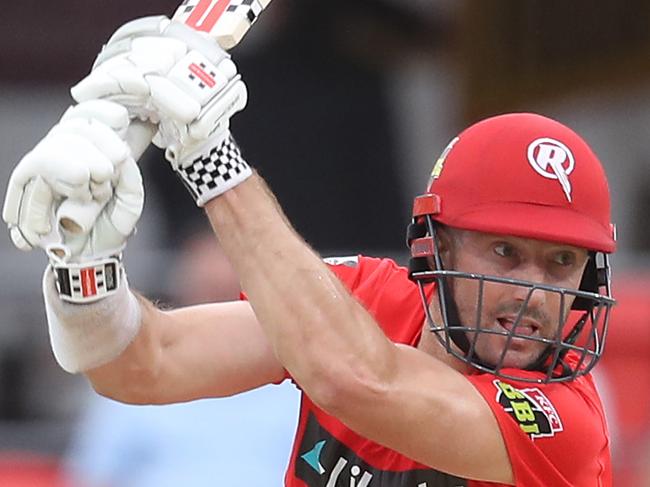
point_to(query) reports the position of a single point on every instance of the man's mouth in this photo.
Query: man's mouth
(525, 327)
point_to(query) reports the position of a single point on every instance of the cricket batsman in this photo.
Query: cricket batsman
(470, 367)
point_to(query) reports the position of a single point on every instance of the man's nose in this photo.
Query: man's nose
(534, 297)
(531, 297)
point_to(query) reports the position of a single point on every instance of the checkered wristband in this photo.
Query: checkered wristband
(214, 171)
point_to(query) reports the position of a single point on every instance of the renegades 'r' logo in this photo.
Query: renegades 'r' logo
(553, 160)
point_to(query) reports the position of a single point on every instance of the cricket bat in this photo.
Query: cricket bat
(227, 21)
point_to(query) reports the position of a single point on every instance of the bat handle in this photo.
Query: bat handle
(78, 218)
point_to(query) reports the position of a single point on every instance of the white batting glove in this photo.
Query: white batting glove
(82, 166)
(180, 79)
(82, 171)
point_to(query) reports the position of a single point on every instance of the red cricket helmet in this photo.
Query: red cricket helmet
(529, 176)
(525, 175)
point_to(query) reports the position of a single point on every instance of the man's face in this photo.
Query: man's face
(515, 258)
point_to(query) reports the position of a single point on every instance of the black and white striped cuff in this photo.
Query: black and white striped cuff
(215, 171)
(88, 282)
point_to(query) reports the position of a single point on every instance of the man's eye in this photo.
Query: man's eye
(564, 258)
(504, 250)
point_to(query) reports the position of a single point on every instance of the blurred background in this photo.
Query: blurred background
(351, 101)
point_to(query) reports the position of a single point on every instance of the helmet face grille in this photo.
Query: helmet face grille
(572, 349)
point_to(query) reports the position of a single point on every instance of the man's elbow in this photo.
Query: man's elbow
(340, 393)
(136, 387)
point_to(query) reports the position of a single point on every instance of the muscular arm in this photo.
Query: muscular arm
(340, 357)
(211, 350)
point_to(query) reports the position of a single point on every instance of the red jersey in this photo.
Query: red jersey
(555, 434)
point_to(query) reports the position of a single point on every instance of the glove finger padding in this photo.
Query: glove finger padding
(77, 163)
(110, 114)
(52, 160)
(78, 217)
(156, 55)
(124, 73)
(36, 184)
(102, 227)
(66, 172)
(128, 200)
(120, 41)
(91, 161)
(120, 81)
(35, 215)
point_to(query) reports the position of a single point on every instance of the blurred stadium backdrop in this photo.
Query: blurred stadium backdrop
(354, 99)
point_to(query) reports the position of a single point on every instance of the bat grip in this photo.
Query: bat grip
(77, 217)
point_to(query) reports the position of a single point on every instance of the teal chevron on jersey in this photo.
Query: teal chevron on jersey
(312, 457)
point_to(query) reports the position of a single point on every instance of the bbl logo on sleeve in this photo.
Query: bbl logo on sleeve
(531, 408)
(553, 160)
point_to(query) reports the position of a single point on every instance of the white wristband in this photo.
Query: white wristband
(85, 336)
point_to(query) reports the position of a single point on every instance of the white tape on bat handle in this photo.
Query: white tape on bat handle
(79, 218)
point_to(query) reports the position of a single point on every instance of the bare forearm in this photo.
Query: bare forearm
(317, 329)
(131, 377)
(339, 356)
(211, 350)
